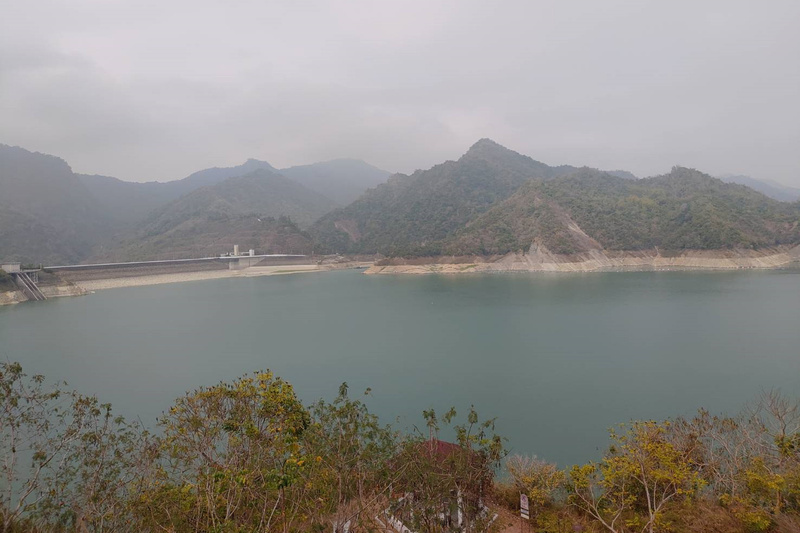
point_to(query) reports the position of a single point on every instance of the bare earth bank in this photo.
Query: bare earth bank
(539, 259)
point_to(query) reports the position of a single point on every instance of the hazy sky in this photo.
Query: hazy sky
(144, 90)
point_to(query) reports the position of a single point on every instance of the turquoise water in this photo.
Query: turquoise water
(557, 358)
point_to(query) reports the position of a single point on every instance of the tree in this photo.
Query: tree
(233, 451)
(642, 472)
(538, 479)
(606, 498)
(101, 473)
(661, 472)
(39, 426)
(353, 451)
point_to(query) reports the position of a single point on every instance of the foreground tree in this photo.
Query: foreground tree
(538, 479)
(642, 473)
(352, 451)
(603, 496)
(232, 457)
(40, 427)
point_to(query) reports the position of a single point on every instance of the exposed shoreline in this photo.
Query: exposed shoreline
(542, 260)
(538, 260)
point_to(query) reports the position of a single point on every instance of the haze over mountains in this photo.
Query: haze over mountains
(490, 201)
(774, 190)
(50, 215)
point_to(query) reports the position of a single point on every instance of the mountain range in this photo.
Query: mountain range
(592, 210)
(490, 201)
(495, 201)
(51, 215)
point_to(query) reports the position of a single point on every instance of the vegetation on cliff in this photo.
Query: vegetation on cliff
(589, 209)
(496, 201)
(411, 215)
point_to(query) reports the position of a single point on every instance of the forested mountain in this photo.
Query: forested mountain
(209, 235)
(51, 215)
(682, 210)
(260, 210)
(131, 202)
(341, 180)
(260, 192)
(769, 188)
(46, 213)
(411, 215)
(623, 174)
(126, 201)
(494, 201)
(212, 176)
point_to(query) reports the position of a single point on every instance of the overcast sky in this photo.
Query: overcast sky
(146, 90)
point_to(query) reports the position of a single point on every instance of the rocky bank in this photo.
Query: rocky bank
(539, 259)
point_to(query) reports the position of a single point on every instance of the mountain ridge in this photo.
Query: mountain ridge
(682, 210)
(409, 212)
(774, 190)
(490, 201)
(49, 214)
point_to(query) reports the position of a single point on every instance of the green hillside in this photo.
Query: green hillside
(261, 192)
(208, 236)
(682, 210)
(46, 214)
(256, 211)
(411, 215)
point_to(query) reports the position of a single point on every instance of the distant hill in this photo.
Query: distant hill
(261, 192)
(125, 201)
(341, 180)
(51, 215)
(211, 219)
(212, 176)
(208, 236)
(769, 188)
(623, 174)
(589, 209)
(46, 213)
(130, 201)
(411, 215)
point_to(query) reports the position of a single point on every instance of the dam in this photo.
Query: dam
(43, 282)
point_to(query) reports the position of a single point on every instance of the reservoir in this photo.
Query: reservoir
(556, 358)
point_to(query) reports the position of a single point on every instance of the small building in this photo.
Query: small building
(11, 268)
(461, 509)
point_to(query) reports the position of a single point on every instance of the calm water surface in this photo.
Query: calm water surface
(556, 358)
